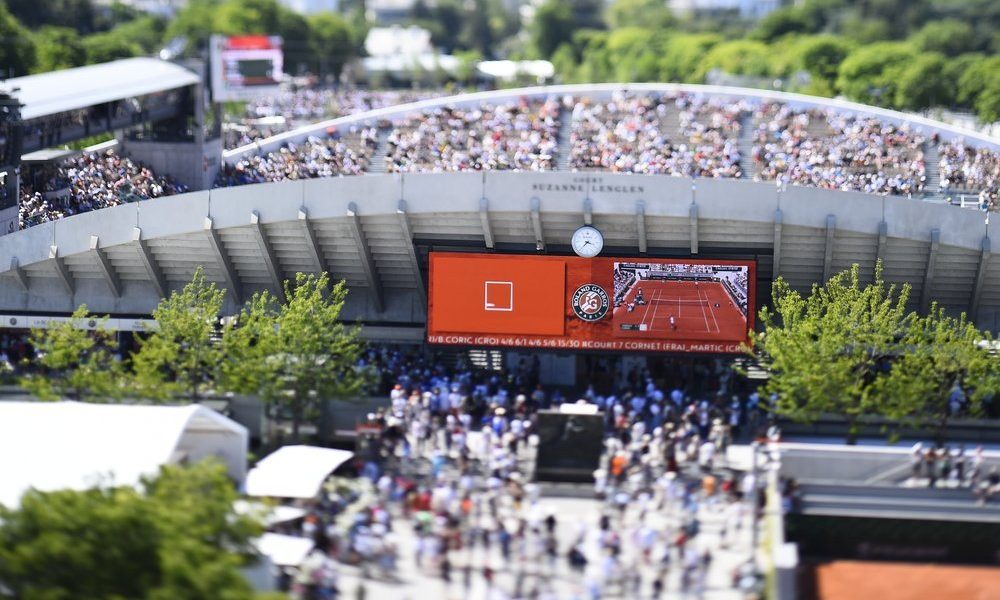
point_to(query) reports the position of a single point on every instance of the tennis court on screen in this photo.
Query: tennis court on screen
(681, 310)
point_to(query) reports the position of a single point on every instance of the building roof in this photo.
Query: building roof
(71, 89)
(71, 445)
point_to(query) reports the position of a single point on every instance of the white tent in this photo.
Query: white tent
(70, 445)
(294, 471)
(284, 550)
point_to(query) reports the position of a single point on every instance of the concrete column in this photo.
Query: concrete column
(693, 220)
(484, 219)
(776, 259)
(105, 267)
(367, 262)
(925, 291)
(831, 227)
(640, 224)
(977, 288)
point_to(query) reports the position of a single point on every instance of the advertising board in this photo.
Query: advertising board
(572, 303)
(245, 66)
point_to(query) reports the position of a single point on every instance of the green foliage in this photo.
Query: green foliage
(821, 55)
(941, 356)
(180, 357)
(178, 538)
(949, 37)
(35, 14)
(853, 350)
(75, 363)
(870, 73)
(739, 57)
(105, 47)
(196, 22)
(979, 87)
(332, 41)
(826, 352)
(294, 353)
(551, 27)
(683, 54)
(782, 22)
(924, 83)
(649, 14)
(17, 52)
(58, 48)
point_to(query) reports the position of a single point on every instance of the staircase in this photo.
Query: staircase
(932, 169)
(382, 147)
(745, 145)
(565, 130)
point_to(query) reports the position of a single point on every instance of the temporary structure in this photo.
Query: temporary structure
(58, 445)
(294, 471)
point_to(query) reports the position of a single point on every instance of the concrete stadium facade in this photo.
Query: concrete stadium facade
(375, 231)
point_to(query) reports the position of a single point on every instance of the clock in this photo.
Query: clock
(587, 241)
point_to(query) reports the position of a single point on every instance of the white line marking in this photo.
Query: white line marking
(703, 315)
(712, 310)
(644, 314)
(656, 304)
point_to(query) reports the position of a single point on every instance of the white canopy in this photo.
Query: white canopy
(58, 445)
(294, 471)
(284, 550)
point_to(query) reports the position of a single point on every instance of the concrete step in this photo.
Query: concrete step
(932, 168)
(745, 146)
(565, 131)
(378, 158)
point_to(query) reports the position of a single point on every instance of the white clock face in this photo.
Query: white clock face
(587, 241)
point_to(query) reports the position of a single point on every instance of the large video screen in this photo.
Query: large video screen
(567, 302)
(245, 66)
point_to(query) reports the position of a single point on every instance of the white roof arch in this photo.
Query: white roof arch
(72, 445)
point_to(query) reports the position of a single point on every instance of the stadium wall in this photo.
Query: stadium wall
(374, 232)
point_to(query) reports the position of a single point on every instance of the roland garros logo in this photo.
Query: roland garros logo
(591, 302)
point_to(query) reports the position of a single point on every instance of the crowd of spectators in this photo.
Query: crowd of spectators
(519, 135)
(672, 134)
(304, 106)
(449, 462)
(832, 150)
(681, 134)
(967, 169)
(90, 181)
(333, 156)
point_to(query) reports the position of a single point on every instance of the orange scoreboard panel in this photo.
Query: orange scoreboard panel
(568, 302)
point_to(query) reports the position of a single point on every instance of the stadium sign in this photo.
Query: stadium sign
(573, 303)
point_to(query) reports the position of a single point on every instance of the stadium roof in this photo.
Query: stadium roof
(70, 445)
(71, 89)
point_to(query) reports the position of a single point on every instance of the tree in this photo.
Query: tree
(196, 22)
(684, 53)
(869, 74)
(788, 20)
(739, 57)
(332, 42)
(821, 56)
(180, 356)
(979, 87)
(76, 363)
(949, 37)
(177, 538)
(650, 14)
(552, 26)
(58, 48)
(924, 83)
(943, 362)
(108, 46)
(17, 48)
(295, 354)
(827, 352)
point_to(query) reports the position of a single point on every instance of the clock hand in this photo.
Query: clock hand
(585, 242)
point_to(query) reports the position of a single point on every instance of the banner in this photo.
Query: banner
(573, 303)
